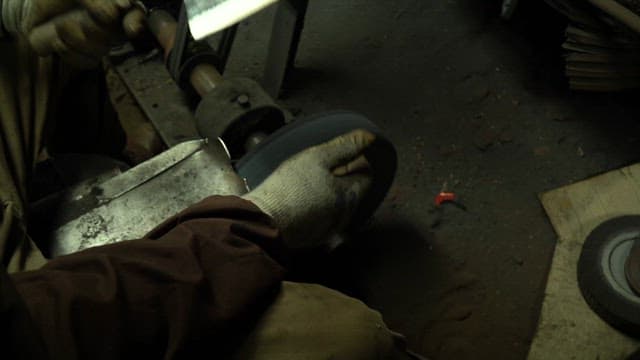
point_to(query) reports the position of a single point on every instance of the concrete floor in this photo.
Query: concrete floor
(477, 104)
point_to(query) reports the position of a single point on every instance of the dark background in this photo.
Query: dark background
(473, 102)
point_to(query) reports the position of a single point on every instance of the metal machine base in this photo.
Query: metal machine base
(131, 204)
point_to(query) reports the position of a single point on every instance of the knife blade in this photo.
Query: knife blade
(207, 17)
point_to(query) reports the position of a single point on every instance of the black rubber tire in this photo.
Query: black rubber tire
(620, 311)
(304, 133)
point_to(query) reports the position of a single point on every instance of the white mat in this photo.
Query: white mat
(568, 329)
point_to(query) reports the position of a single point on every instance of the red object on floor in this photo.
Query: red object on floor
(444, 197)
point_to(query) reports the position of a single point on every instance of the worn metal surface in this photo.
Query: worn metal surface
(133, 203)
(164, 103)
(120, 185)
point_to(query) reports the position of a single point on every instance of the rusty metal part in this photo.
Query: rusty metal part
(632, 268)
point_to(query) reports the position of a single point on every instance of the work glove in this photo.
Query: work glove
(314, 194)
(80, 31)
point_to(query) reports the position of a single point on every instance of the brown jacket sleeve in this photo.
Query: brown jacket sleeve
(194, 285)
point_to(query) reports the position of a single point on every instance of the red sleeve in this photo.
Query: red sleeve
(192, 286)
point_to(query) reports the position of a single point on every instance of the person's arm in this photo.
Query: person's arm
(195, 282)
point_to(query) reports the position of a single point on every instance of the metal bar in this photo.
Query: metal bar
(280, 44)
(224, 48)
(176, 56)
(301, 7)
(162, 101)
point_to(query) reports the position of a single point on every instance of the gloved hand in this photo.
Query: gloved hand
(314, 194)
(80, 31)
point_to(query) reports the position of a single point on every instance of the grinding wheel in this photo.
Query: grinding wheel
(602, 273)
(304, 133)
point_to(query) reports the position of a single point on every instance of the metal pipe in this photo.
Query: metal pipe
(204, 77)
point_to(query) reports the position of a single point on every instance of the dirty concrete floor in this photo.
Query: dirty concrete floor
(474, 103)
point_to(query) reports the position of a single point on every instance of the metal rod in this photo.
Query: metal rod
(226, 43)
(204, 77)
